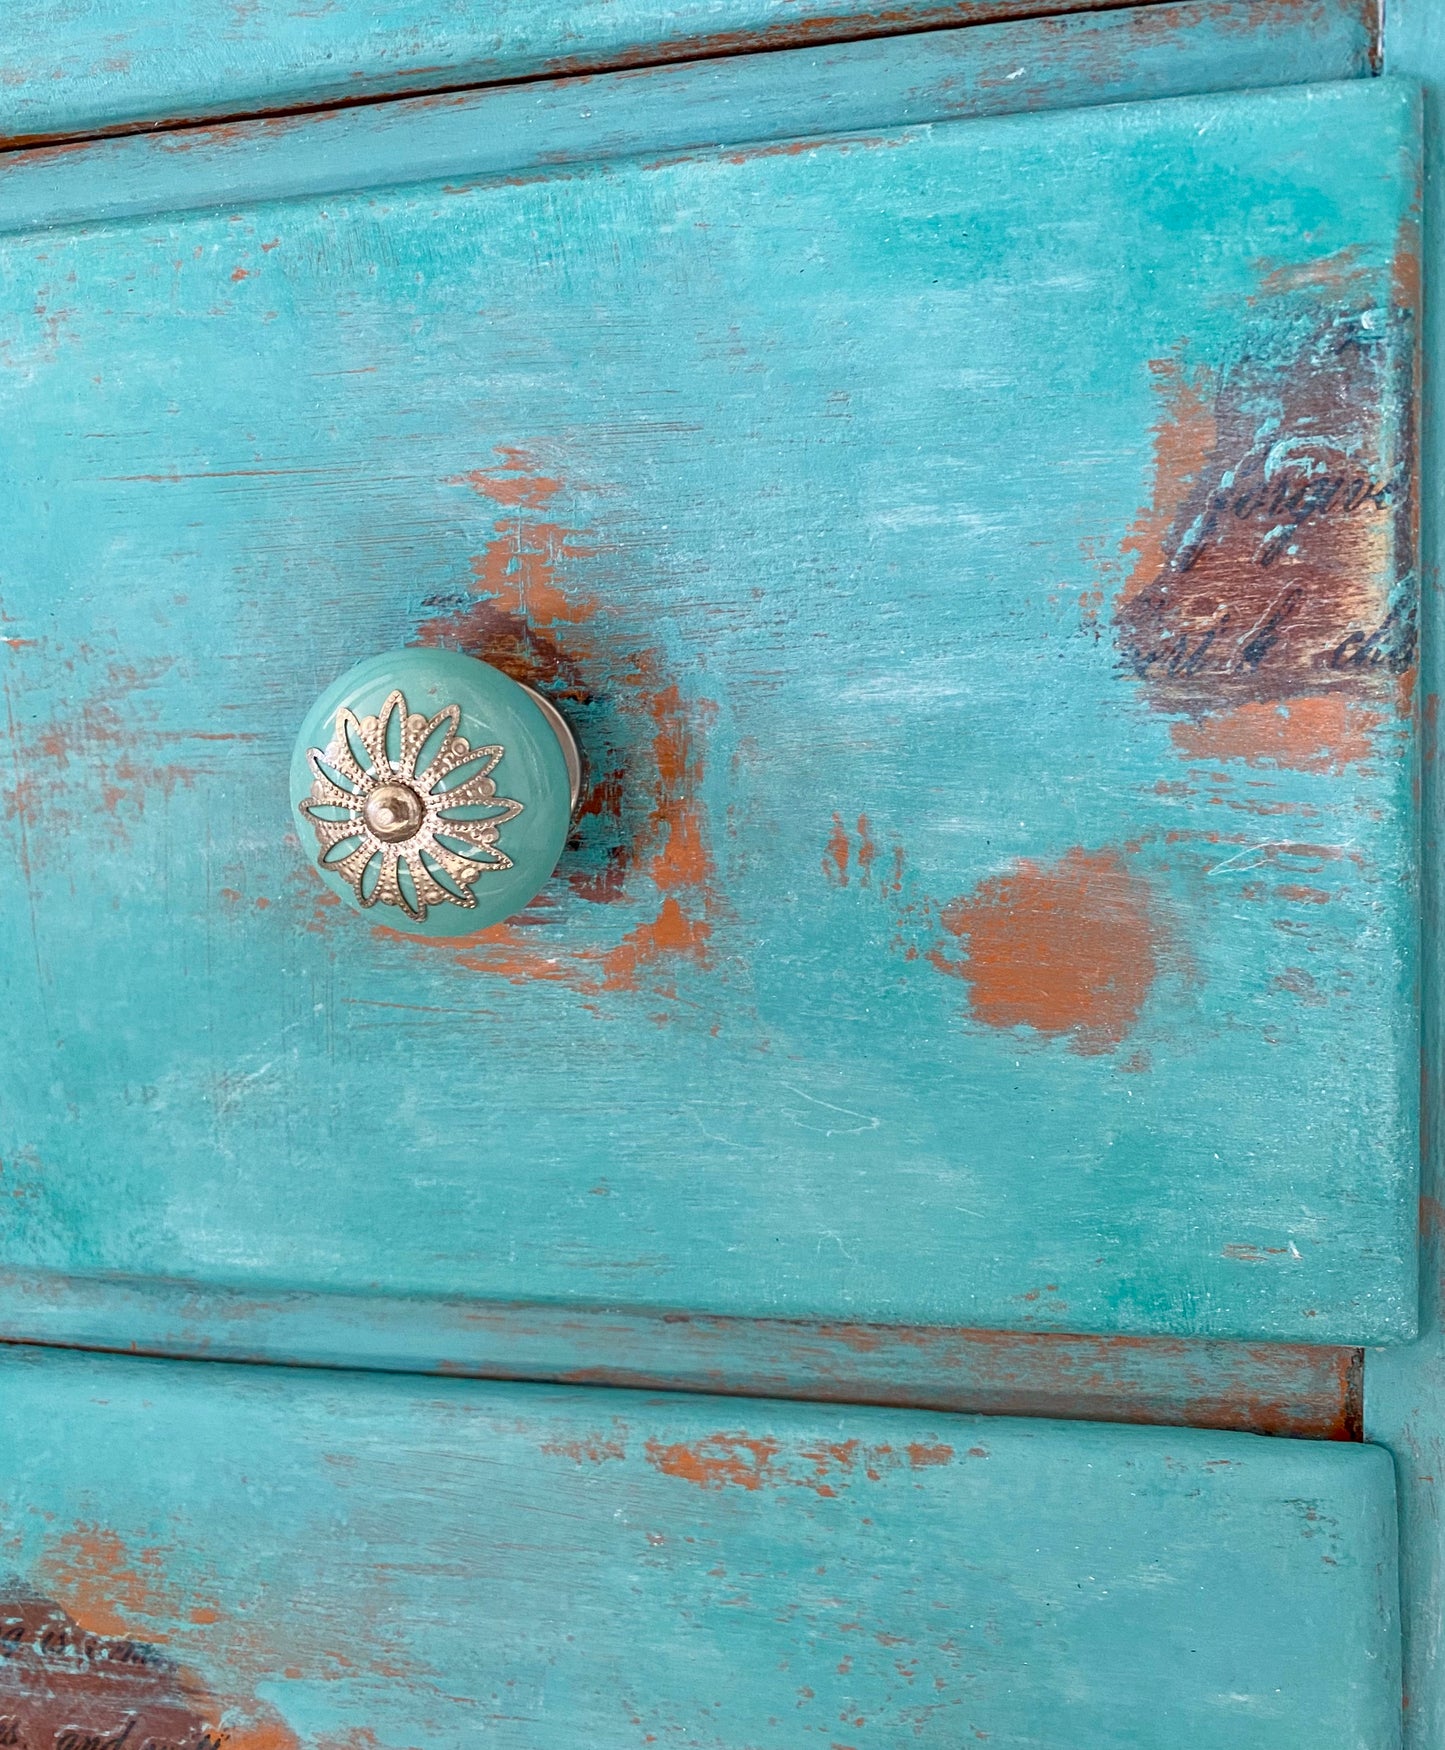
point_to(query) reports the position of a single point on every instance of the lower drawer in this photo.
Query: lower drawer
(203, 1555)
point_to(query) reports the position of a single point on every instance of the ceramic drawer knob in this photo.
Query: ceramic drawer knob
(434, 791)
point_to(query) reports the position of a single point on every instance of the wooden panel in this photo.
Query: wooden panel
(319, 1561)
(1405, 1390)
(1264, 1388)
(87, 66)
(1109, 57)
(924, 899)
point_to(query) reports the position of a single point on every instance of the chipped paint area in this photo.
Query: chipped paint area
(722, 1461)
(1270, 604)
(97, 759)
(641, 841)
(735, 1459)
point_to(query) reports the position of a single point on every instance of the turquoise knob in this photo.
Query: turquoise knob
(434, 791)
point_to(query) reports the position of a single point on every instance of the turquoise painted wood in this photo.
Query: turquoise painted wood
(83, 66)
(942, 75)
(1405, 1390)
(945, 855)
(311, 1561)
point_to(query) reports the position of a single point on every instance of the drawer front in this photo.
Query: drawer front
(977, 564)
(335, 1560)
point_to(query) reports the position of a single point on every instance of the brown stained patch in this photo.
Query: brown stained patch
(640, 842)
(66, 1685)
(1269, 588)
(1067, 948)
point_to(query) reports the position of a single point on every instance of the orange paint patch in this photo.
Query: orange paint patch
(671, 934)
(1066, 949)
(518, 573)
(1320, 733)
(867, 850)
(720, 1461)
(1337, 273)
(269, 1736)
(835, 856)
(922, 1457)
(514, 481)
(106, 1587)
(1184, 436)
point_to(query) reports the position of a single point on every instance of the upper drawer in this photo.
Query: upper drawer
(88, 66)
(977, 564)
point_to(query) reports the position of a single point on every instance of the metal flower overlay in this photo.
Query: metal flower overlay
(388, 810)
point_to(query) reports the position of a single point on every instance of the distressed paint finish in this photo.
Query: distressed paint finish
(1405, 1390)
(333, 1561)
(75, 67)
(1108, 57)
(1263, 1388)
(824, 487)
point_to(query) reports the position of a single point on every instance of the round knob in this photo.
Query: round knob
(434, 790)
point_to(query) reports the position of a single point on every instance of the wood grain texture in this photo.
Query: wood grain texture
(1263, 1388)
(1405, 1390)
(945, 854)
(76, 67)
(309, 1561)
(1108, 57)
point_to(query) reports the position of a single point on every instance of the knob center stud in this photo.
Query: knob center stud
(394, 812)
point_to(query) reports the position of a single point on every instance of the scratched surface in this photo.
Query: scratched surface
(332, 1562)
(976, 562)
(86, 66)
